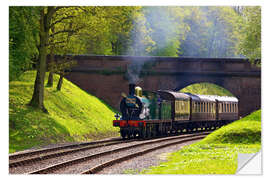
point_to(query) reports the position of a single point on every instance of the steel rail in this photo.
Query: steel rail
(22, 162)
(100, 167)
(53, 167)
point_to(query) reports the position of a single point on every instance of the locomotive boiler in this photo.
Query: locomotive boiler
(148, 114)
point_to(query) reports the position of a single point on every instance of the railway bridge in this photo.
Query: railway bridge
(106, 76)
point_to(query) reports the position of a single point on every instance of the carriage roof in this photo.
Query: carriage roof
(172, 95)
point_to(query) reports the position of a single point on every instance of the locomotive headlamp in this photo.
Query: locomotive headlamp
(117, 116)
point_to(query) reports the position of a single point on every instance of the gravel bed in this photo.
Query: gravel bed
(137, 164)
(86, 165)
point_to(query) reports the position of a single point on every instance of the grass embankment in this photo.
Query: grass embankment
(217, 153)
(74, 115)
(206, 89)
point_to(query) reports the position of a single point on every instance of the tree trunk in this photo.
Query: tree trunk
(38, 94)
(50, 78)
(60, 82)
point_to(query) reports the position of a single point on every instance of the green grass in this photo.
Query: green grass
(206, 89)
(74, 115)
(217, 153)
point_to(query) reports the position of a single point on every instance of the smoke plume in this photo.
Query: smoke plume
(153, 32)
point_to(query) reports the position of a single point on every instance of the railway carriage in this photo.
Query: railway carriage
(149, 114)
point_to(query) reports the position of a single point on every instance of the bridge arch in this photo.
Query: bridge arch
(103, 76)
(206, 89)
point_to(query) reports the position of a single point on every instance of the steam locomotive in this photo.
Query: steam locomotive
(148, 114)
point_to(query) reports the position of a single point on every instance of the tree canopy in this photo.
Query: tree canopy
(35, 32)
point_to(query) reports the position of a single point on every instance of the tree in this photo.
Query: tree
(23, 37)
(60, 33)
(46, 14)
(250, 33)
(211, 32)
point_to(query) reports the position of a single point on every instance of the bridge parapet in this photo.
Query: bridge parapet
(104, 76)
(163, 64)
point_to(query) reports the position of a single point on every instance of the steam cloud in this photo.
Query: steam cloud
(159, 27)
(134, 70)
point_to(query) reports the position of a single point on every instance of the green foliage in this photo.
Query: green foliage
(250, 33)
(217, 153)
(244, 131)
(23, 39)
(61, 67)
(203, 159)
(206, 89)
(74, 115)
(210, 32)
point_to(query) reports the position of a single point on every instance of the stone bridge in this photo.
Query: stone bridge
(106, 76)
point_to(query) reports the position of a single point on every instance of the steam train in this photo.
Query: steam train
(148, 114)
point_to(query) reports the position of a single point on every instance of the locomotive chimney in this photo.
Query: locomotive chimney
(131, 89)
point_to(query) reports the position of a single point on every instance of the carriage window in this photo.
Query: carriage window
(202, 109)
(220, 107)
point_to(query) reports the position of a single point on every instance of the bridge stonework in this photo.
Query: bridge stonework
(105, 76)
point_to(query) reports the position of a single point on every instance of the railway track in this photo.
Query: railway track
(21, 159)
(96, 161)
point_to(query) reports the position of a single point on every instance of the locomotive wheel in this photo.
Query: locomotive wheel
(148, 132)
(129, 135)
(134, 134)
(123, 134)
(142, 133)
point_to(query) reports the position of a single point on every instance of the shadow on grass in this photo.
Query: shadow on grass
(30, 127)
